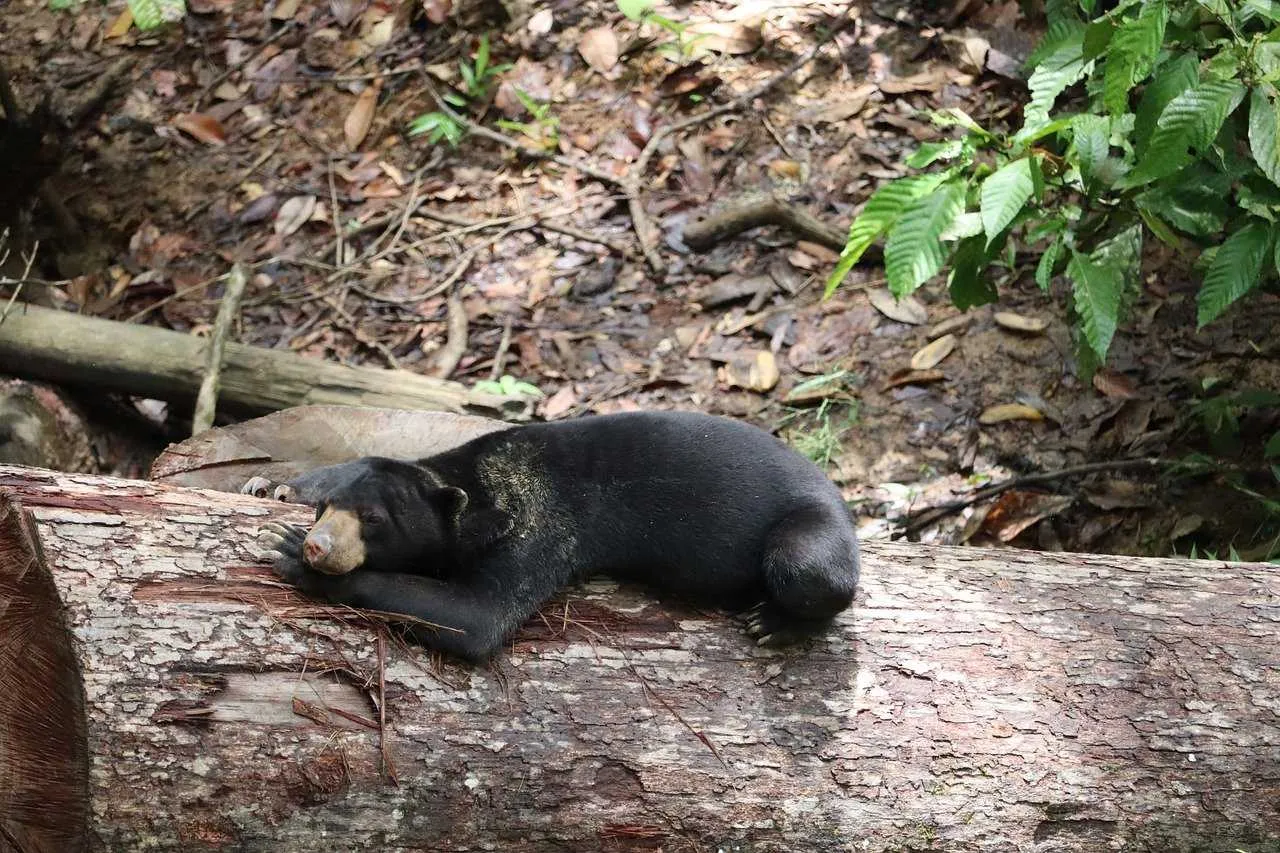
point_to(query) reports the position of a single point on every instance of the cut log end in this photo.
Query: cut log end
(44, 758)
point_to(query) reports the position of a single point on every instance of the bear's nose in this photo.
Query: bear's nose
(316, 547)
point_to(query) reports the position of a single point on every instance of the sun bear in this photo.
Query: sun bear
(474, 540)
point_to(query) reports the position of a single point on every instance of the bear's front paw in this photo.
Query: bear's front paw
(284, 542)
(261, 487)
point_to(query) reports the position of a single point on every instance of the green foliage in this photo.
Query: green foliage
(818, 433)
(438, 126)
(509, 386)
(544, 129)
(1160, 118)
(641, 11)
(147, 14)
(478, 77)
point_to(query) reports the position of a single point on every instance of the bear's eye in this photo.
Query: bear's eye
(372, 517)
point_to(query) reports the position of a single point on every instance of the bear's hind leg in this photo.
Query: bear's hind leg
(811, 574)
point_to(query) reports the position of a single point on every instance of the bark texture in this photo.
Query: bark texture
(974, 700)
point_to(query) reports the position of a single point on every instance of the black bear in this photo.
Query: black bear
(475, 539)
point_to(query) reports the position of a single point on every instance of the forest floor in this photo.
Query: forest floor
(275, 134)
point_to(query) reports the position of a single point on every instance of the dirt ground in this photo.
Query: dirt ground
(275, 134)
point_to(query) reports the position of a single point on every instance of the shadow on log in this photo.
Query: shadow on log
(974, 700)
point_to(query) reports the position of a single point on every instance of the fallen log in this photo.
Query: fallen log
(974, 700)
(58, 346)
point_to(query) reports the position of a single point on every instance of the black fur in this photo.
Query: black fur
(713, 510)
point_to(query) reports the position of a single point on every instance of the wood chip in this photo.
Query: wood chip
(950, 326)
(932, 354)
(906, 310)
(758, 374)
(912, 377)
(1018, 323)
(1009, 412)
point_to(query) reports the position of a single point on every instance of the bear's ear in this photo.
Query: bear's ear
(450, 502)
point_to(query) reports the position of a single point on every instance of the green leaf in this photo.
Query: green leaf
(1005, 193)
(482, 57)
(1264, 141)
(60, 5)
(1194, 200)
(1132, 53)
(1259, 196)
(914, 252)
(149, 14)
(1236, 269)
(1272, 449)
(1058, 71)
(1097, 36)
(1092, 137)
(1252, 10)
(878, 216)
(1163, 232)
(1049, 263)
(931, 152)
(454, 99)
(1121, 251)
(968, 285)
(964, 226)
(1063, 32)
(468, 76)
(1096, 288)
(1189, 122)
(635, 9)
(956, 117)
(1171, 79)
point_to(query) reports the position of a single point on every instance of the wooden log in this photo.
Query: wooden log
(975, 700)
(145, 361)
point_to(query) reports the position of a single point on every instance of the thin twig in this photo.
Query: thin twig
(26, 272)
(339, 257)
(455, 346)
(923, 518)
(500, 355)
(207, 399)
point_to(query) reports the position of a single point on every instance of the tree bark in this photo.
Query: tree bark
(144, 361)
(974, 700)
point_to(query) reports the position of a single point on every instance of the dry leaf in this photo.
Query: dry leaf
(1114, 384)
(1009, 412)
(925, 81)
(1018, 323)
(932, 355)
(1016, 510)
(294, 213)
(559, 403)
(731, 38)
(437, 10)
(848, 107)
(120, 25)
(285, 9)
(818, 252)
(356, 127)
(949, 326)
(912, 377)
(599, 47)
(204, 128)
(905, 310)
(540, 23)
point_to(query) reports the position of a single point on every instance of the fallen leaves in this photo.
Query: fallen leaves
(1009, 412)
(906, 310)
(294, 213)
(359, 120)
(1018, 323)
(599, 47)
(201, 127)
(931, 355)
